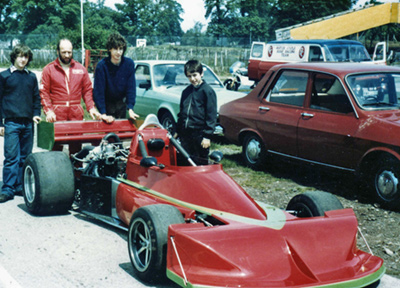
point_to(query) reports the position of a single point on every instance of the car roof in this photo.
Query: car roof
(316, 41)
(154, 62)
(339, 68)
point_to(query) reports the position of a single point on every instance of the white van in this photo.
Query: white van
(265, 55)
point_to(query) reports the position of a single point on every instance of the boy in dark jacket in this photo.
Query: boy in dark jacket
(198, 113)
(19, 108)
(114, 90)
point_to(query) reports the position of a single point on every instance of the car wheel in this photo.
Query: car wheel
(237, 83)
(168, 122)
(147, 240)
(313, 204)
(253, 151)
(229, 84)
(386, 182)
(48, 183)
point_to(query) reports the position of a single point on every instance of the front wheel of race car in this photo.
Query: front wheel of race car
(313, 204)
(48, 185)
(147, 240)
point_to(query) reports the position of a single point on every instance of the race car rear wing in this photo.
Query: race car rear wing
(68, 132)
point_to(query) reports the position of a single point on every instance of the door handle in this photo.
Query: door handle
(309, 115)
(262, 108)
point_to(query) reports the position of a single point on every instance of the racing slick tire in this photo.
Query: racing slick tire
(168, 122)
(48, 183)
(253, 151)
(313, 204)
(148, 238)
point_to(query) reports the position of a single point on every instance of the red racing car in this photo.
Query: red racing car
(195, 224)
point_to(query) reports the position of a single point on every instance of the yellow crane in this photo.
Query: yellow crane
(343, 24)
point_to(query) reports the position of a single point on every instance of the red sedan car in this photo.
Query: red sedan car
(343, 116)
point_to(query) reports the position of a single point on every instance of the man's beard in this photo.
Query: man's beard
(65, 61)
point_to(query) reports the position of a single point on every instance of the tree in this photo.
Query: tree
(151, 18)
(5, 15)
(258, 19)
(285, 13)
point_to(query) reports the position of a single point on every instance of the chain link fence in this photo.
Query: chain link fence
(218, 53)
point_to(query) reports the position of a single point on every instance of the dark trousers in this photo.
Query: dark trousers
(116, 108)
(191, 142)
(18, 144)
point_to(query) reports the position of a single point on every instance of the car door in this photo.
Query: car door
(144, 91)
(327, 127)
(280, 111)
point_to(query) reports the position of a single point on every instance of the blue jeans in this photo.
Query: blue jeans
(18, 144)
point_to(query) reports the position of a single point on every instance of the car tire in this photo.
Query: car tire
(238, 82)
(253, 152)
(168, 122)
(48, 183)
(148, 238)
(313, 204)
(385, 182)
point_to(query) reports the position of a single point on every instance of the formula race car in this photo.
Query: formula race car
(193, 223)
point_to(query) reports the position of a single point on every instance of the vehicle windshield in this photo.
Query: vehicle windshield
(173, 75)
(346, 53)
(378, 91)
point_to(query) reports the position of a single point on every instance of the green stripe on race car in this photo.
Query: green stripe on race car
(276, 217)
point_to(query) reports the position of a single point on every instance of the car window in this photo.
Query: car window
(173, 75)
(257, 50)
(328, 94)
(290, 88)
(347, 52)
(315, 54)
(142, 74)
(376, 91)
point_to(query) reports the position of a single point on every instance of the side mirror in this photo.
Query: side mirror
(148, 161)
(216, 156)
(145, 85)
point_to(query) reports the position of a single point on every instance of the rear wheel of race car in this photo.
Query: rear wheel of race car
(168, 122)
(148, 238)
(313, 204)
(48, 185)
(253, 151)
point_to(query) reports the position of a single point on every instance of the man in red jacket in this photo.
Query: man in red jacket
(64, 82)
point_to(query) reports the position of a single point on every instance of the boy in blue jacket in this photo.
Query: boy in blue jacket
(114, 89)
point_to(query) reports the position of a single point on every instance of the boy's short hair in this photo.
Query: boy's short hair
(21, 50)
(193, 66)
(116, 40)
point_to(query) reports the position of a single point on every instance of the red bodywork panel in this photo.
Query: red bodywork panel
(258, 68)
(207, 186)
(243, 255)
